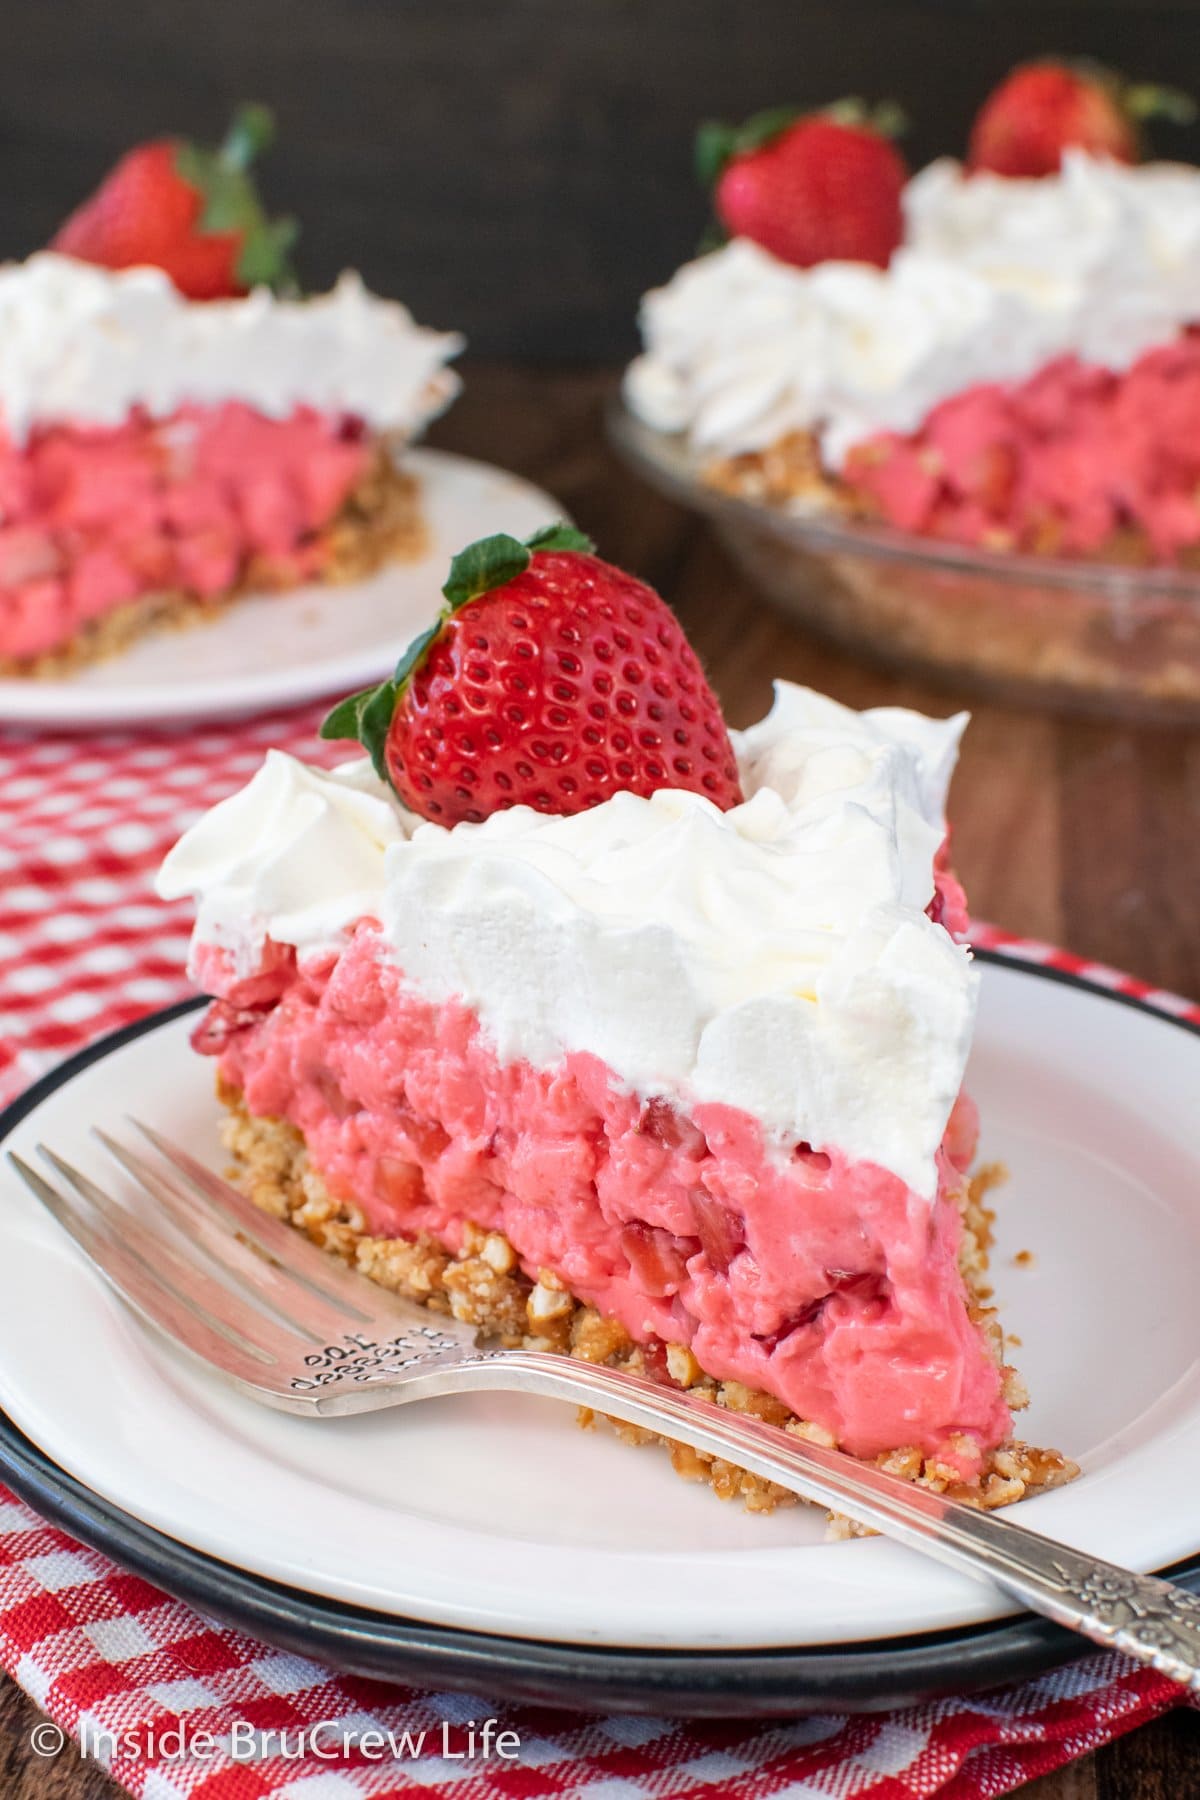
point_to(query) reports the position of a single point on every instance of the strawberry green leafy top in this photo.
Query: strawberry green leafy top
(490, 562)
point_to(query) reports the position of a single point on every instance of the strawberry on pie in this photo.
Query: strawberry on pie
(569, 1011)
(178, 425)
(1002, 353)
(809, 187)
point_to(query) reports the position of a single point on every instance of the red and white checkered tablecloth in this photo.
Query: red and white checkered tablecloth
(85, 947)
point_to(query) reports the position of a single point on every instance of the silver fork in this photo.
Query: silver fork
(296, 1329)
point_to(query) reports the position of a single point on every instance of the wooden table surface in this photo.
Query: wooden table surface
(1076, 831)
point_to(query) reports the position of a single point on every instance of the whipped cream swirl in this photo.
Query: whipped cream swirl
(996, 278)
(775, 958)
(86, 344)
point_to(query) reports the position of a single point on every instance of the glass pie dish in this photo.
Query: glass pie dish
(1093, 636)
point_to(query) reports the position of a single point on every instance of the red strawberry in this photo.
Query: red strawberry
(1044, 108)
(811, 187)
(722, 1236)
(193, 212)
(551, 680)
(657, 1258)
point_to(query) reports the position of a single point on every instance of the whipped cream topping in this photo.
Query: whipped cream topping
(81, 343)
(296, 855)
(996, 278)
(776, 957)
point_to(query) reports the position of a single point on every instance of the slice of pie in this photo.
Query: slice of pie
(571, 1013)
(160, 456)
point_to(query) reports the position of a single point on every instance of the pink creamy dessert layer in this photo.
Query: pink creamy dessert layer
(93, 518)
(1067, 462)
(824, 1281)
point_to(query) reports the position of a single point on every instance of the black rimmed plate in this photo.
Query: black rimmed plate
(1072, 1078)
(699, 1684)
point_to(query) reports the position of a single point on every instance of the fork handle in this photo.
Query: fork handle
(1156, 1622)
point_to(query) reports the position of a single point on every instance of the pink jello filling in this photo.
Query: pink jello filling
(91, 518)
(823, 1280)
(1066, 462)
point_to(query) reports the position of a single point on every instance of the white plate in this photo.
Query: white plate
(495, 1512)
(280, 649)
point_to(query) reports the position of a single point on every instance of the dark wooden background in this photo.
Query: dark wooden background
(520, 168)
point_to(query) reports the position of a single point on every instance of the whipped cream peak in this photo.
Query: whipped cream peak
(85, 344)
(776, 957)
(809, 743)
(1096, 218)
(296, 855)
(996, 278)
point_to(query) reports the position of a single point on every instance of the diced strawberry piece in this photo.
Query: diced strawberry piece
(803, 1316)
(275, 973)
(668, 1127)
(340, 1104)
(654, 1361)
(721, 1234)
(222, 1023)
(399, 1183)
(866, 1285)
(657, 1259)
(426, 1136)
(868, 1290)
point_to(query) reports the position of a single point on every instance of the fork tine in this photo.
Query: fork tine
(141, 1288)
(268, 1283)
(185, 1279)
(329, 1277)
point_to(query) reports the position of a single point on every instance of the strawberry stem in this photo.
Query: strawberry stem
(716, 143)
(1147, 100)
(251, 132)
(889, 119)
(231, 202)
(560, 536)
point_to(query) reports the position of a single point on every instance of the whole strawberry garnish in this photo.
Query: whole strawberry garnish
(190, 211)
(550, 679)
(1044, 108)
(809, 187)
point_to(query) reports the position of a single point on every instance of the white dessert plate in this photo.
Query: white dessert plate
(277, 650)
(495, 1514)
